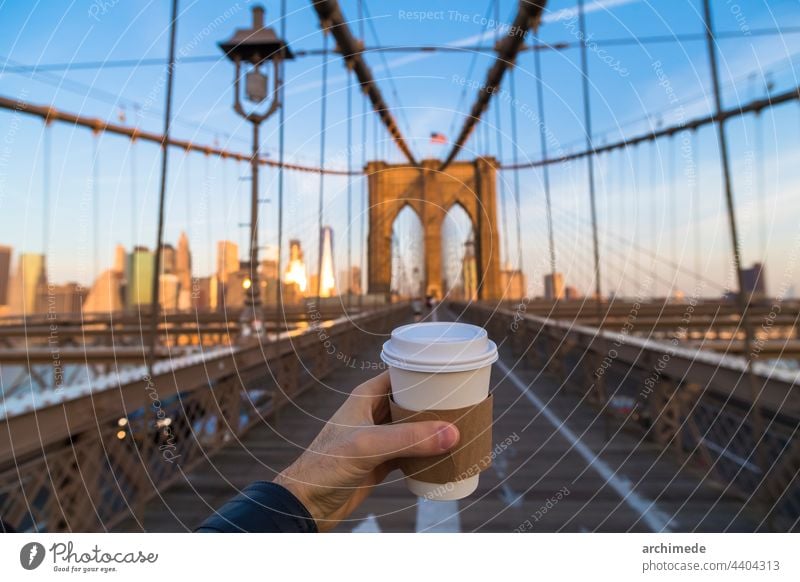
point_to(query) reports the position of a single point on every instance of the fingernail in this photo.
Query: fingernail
(448, 436)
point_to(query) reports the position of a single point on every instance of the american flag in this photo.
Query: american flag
(437, 137)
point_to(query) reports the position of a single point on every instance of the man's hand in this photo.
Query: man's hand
(354, 452)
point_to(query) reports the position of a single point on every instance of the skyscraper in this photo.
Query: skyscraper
(327, 280)
(183, 261)
(296, 273)
(554, 286)
(28, 285)
(119, 259)
(183, 269)
(106, 293)
(139, 276)
(227, 259)
(754, 280)
(168, 259)
(5, 273)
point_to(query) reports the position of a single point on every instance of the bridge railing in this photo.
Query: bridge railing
(93, 455)
(696, 404)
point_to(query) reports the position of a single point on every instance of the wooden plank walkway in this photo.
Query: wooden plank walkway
(558, 445)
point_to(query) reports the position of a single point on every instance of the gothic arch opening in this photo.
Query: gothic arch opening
(408, 255)
(459, 262)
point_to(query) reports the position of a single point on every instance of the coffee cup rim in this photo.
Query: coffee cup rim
(442, 363)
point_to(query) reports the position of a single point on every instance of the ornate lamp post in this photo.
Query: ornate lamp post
(252, 49)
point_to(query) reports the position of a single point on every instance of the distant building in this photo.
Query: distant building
(28, 285)
(754, 280)
(296, 274)
(512, 282)
(183, 269)
(168, 292)
(201, 296)
(327, 283)
(139, 273)
(227, 259)
(571, 293)
(105, 296)
(5, 273)
(351, 282)
(119, 259)
(168, 259)
(554, 286)
(269, 281)
(67, 298)
(469, 272)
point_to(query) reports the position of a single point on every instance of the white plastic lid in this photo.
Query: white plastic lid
(439, 347)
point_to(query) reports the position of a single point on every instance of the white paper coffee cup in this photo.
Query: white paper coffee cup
(439, 366)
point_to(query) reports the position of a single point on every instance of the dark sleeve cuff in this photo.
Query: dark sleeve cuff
(261, 508)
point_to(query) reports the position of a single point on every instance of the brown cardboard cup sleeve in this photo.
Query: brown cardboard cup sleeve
(469, 457)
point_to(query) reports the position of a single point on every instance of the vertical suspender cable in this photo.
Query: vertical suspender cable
(162, 185)
(636, 205)
(134, 205)
(621, 187)
(673, 209)
(654, 225)
(696, 207)
(364, 193)
(48, 152)
(322, 124)
(187, 185)
(281, 153)
(545, 168)
(96, 206)
(587, 116)
(515, 158)
(349, 287)
(761, 186)
(742, 297)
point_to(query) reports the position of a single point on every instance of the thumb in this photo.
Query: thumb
(385, 442)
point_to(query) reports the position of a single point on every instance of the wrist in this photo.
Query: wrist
(301, 492)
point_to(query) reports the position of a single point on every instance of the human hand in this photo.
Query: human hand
(355, 451)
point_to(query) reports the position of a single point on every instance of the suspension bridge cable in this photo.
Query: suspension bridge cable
(673, 208)
(742, 297)
(696, 204)
(15, 67)
(587, 116)
(322, 130)
(162, 186)
(101, 126)
(393, 86)
(761, 186)
(463, 96)
(537, 60)
(349, 188)
(281, 153)
(95, 204)
(713, 118)
(653, 197)
(636, 187)
(187, 187)
(132, 167)
(528, 16)
(48, 152)
(504, 260)
(515, 157)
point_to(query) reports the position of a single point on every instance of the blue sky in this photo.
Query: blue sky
(208, 199)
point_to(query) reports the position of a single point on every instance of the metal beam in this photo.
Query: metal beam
(528, 17)
(331, 19)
